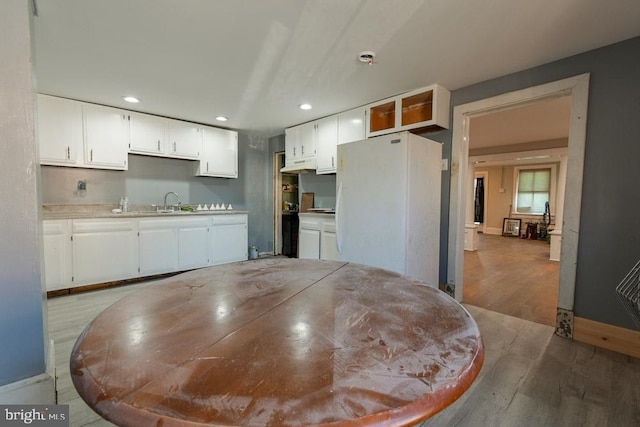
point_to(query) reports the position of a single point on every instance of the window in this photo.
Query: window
(535, 186)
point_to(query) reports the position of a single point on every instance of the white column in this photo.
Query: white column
(562, 182)
(470, 228)
(556, 234)
(471, 175)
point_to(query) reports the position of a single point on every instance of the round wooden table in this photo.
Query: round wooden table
(278, 342)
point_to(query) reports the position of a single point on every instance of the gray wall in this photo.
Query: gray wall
(22, 308)
(609, 243)
(150, 178)
(323, 188)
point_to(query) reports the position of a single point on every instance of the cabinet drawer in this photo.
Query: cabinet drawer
(92, 226)
(229, 219)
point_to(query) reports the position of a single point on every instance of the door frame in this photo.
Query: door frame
(578, 88)
(278, 163)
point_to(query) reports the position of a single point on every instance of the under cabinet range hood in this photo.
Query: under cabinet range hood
(300, 166)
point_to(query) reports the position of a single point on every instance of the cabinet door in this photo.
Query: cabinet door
(157, 247)
(185, 140)
(326, 144)
(309, 244)
(328, 246)
(351, 125)
(59, 131)
(194, 246)
(306, 142)
(328, 242)
(382, 118)
(104, 251)
(106, 137)
(290, 145)
(147, 134)
(57, 254)
(230, 238)
(219, 155)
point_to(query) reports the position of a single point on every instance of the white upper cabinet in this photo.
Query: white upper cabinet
(78, 134)
(60, 131)
(219, 156)
(185, 140)
(326, 138)
(351, 125)
(147, 134)
(425, 108)
(300, 143)
(105, 137)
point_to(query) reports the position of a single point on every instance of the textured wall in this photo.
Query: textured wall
(22, 331)
(609, 242)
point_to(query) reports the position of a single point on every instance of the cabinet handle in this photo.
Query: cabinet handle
(294, 151)
(91, 155)
(174, 146)
(302, 149)
(68, 153)
(207, 165)
(158, 145)
(332, 163)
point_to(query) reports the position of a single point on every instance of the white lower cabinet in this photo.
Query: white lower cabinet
(57, 253)
(157, 246)
(104, 250)
(230, 237)
(80, 252)
(328, 241)
(194, 243)
(308, 243)
(317, 237)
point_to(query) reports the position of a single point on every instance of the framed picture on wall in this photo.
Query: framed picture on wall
(511, 227)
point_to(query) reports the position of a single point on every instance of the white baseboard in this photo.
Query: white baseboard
(37, 390)
(493, 231)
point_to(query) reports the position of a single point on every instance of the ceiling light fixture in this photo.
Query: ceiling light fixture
(367, 56)
(131, 99)
(222, 118)
(305, 106)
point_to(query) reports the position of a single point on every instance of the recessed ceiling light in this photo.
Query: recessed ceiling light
(222, 118)
(131, 99)
(305, 106)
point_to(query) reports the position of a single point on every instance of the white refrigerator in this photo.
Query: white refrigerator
(388, 204)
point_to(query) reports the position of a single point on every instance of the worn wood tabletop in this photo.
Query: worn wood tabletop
(278, 342)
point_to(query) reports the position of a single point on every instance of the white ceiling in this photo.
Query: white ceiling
(542, 121)
(255, 61)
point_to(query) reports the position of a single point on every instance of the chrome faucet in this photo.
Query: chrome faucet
(179, 204)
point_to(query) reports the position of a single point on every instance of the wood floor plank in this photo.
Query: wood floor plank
(512, 276)
(530, 376)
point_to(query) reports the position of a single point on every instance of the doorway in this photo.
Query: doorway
(569, 218)
(285, 209)
(480, 208)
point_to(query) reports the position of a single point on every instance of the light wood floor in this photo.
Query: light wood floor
(530, 376)
(512, 276)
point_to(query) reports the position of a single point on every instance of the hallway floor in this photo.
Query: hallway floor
(514, 277)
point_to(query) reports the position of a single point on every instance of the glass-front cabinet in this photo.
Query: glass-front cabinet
(426, 108)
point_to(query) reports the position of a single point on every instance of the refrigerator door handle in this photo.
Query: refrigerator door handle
(337, 216)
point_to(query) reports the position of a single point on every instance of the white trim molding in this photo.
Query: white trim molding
(578, 88)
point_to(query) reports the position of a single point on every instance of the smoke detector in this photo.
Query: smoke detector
(367, 56)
